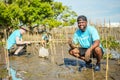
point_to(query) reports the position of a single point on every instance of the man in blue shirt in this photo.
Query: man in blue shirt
(16, 39)
(89, 41)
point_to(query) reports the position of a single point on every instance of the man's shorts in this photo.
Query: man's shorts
(83, 50)
(14, 48)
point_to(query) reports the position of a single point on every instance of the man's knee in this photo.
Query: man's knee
(71, 52)
(74, 51)
(98, 50)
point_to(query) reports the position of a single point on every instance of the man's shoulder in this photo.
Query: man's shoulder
(77, 31)
(16, 31)
(91, 27)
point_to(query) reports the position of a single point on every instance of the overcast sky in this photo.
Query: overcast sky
(95, 9)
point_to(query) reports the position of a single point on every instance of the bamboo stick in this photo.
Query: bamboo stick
(52, 52)
(62, 49)
(54, 48)
(6, 56)
(107, 59)
(52, 40)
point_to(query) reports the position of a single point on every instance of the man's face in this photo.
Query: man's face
(82, 25)
(23, 31)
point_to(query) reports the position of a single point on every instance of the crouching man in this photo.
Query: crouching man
(15, 39)
(88, 39)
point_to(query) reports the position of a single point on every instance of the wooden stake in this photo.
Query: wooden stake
(6, 56)
(54, 47)
(107, 59)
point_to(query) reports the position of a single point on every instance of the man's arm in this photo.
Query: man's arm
(71, 44)
(95, 44)
(20, 42)
(95, 37)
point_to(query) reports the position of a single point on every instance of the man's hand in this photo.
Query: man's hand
(70, 43)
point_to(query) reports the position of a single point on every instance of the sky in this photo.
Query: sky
(96, 10)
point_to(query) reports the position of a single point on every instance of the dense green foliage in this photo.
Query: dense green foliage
(110, 43)
(31, 12)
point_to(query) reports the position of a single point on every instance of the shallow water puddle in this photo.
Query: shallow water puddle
(13, 73)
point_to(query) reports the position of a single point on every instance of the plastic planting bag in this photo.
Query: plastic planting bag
(43, 52)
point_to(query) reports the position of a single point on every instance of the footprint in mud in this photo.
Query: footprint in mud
(28, 55)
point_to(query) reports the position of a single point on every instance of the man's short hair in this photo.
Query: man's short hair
(81, 17)
(24, 28)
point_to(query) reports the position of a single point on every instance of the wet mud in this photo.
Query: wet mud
(32, 67)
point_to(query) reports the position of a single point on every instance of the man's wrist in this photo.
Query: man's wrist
(70, 43)
(24, 42)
